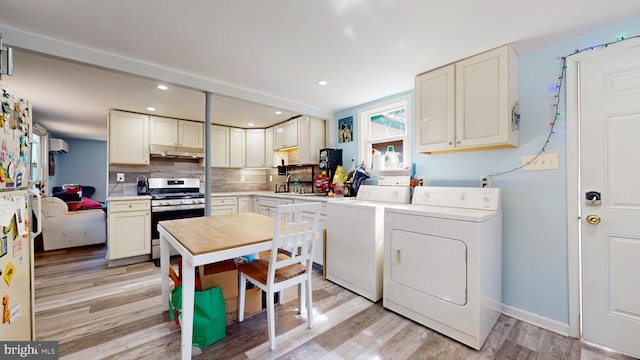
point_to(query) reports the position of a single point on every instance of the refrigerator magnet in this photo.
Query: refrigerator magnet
(17, 248)
(6, 313)
(9, 271)
(3, 246)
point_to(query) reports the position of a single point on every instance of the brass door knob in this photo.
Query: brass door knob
(593, 219)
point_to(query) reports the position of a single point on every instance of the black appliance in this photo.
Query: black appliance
(282, 169)
(172, 199)
(143, 185)
(330, 159)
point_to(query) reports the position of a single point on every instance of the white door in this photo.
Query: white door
(609, 156)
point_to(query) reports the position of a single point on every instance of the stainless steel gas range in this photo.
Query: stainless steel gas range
(171, 199)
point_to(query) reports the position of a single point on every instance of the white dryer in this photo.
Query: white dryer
(443, 261)
(355, 238)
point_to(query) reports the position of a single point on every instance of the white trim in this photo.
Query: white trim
(573, 196)
(573, 180)
(363, 152)
(537, 320)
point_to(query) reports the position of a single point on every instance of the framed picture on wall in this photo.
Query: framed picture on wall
(345, 130)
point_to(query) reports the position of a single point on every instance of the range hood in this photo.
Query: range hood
(176, 152)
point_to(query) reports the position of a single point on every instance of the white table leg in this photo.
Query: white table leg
(188, 292)
(164, 271)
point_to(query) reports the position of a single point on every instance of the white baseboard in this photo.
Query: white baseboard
(537, 320)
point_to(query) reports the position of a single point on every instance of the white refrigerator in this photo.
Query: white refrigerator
(16, 219)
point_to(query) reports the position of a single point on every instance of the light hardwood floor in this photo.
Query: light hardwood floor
(97, 312)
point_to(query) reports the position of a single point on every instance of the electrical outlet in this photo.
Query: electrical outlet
(485, 181)
(542, 162)
(241, 178)
(421, 180)
(270, 178)
(120, 177)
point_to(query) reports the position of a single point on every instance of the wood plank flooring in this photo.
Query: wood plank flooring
(97, 312)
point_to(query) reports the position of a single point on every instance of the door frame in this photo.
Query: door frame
(574, 224)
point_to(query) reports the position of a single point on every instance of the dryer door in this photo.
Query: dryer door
(434, 265)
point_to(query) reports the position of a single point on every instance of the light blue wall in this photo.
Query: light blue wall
(534, 202)
(85, 164)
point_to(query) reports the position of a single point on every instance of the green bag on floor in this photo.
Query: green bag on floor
(209, 315)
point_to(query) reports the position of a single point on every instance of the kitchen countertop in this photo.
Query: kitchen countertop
(306, 196)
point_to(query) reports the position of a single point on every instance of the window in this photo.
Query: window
(384, 125)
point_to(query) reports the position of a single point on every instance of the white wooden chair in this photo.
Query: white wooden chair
(295, 237)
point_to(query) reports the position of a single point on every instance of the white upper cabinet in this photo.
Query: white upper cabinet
(128, 138)
(268, 147)
(286, 135)
(219, 146)
(237, 148)
(177, 133)
(311, 138)
(435, 106)
(191, 134)
(469, 105)
(164, 131)
(256, 148)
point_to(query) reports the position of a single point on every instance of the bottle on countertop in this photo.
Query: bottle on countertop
(390, 158)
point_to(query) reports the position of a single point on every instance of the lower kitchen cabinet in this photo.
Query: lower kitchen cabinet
(318, 245)
(223, 206)
(129, 232)
(268, 206)
(245, 204)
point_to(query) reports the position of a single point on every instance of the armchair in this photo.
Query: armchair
(62, 228)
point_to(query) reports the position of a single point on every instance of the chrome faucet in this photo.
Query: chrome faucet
(287, 183)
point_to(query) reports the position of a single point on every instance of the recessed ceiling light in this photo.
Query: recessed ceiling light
(322, 82)
(278, 112)
(163, 87)
(250, 124)
(151, 108)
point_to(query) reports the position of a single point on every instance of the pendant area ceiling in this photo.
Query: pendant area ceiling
(76, 59)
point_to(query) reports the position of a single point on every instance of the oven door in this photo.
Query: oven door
(158, 216)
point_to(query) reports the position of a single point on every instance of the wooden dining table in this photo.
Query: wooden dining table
(204, 240)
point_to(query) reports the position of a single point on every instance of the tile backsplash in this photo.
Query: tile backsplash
(222, 179)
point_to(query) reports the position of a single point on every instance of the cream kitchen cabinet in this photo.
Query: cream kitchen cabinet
(268, 206)
(311, 138)
(256, 148)
(129, 231)
(219, 152)
(469, 105)
(237, 148)
(128, 138)
(318, 245)
(245, 204)
(285, 135)
(174, 132)
(268, 147)
(223, 206)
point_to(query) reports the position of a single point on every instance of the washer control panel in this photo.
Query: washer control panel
(458, 197)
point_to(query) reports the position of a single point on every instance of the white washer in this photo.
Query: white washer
(443, 261)
(355, 237)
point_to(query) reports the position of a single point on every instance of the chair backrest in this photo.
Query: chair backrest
(297, 226)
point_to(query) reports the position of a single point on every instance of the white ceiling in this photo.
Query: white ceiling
(263, 52)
